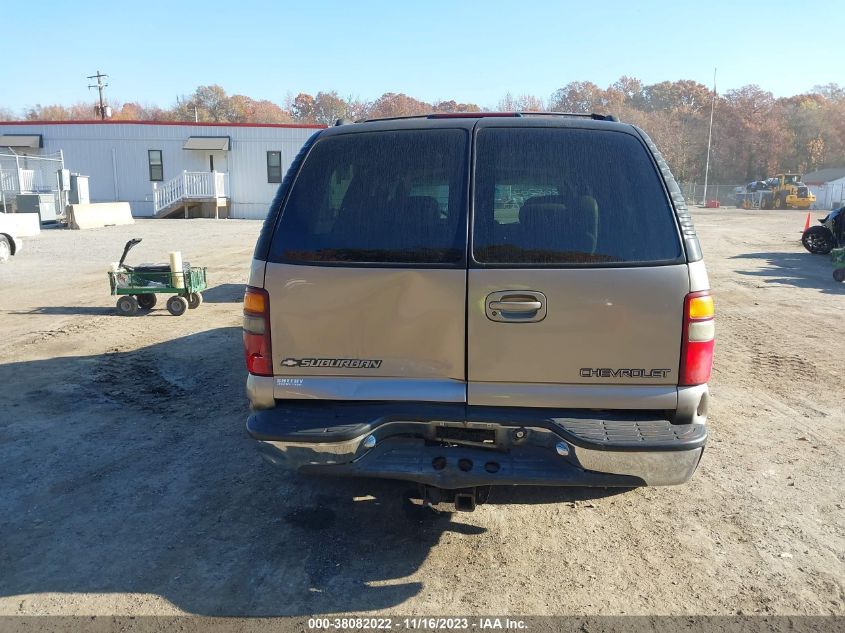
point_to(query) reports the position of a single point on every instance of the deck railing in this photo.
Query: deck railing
(190, 185)
(23, 181)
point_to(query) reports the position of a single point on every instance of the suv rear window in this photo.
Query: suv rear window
(378, 197)
(569, 197)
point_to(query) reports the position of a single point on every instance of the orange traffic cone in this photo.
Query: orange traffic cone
(806, 224)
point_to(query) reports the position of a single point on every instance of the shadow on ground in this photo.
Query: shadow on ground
(132, 473)
(70, 310)
(224, 293)
(801, 269)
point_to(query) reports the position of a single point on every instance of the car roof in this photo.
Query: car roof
(470, 120)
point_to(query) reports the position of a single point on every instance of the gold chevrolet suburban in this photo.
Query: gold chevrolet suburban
(470, 300)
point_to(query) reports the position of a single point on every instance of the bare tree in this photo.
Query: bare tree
(521, 103)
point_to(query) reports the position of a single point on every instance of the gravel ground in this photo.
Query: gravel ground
(129, 485)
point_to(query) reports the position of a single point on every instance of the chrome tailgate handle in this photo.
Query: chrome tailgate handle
(516, 306)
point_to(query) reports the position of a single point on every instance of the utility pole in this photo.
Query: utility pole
(101, 110)
(709, 139)
(189, 105)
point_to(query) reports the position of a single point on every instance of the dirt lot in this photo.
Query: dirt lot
(129, 485)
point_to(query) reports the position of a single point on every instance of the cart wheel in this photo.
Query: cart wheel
(146, 301)
(127, 305)
(194, 300)
(177, 305)
(839, 274)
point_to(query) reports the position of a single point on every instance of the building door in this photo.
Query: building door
(217, 161)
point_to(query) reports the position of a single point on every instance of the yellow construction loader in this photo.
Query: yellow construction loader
(786, 191)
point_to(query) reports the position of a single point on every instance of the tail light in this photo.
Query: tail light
(698, 339)
(257, 349)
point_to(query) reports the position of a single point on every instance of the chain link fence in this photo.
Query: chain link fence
(725, 194)
(828, 196)
(23, 174)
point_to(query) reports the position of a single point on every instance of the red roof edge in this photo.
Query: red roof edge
(308, 126)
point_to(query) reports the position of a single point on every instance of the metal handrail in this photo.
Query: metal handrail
(190, 185)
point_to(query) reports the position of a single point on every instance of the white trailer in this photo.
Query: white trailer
(164, 167)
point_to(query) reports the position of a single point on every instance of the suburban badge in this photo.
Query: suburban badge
(340, 363)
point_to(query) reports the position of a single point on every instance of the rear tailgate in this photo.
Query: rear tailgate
(577, 285)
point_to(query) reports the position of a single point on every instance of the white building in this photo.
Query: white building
(828, 185)
(158, 166)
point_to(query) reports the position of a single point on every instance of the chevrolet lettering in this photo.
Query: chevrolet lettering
(587, 372)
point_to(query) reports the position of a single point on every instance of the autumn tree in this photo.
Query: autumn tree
(626, 92)
(750, 138)
(303, 109)
(133, 111)
(265, 111)
(754, 134)
(453, 106)
(578, 96)
(830, 92)
(356, 108)
(689, 97)
(395, 105)
(329, 107)
(55, 112)
(810, 135)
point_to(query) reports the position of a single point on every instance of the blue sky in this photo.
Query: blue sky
(467, 51)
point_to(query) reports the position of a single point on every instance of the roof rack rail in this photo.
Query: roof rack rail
(591, 115)
(394, 118)
(478, 115)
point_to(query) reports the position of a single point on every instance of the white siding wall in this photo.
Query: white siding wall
(829, 194)
(114, 155)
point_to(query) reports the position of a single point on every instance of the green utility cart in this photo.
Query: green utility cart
(837, 256)
(137, 286)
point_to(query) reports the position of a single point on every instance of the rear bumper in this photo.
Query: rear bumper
(455, 446)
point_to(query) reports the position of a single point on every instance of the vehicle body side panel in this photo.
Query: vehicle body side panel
(409, 322)
(698, 279)
(256, 273)
(615, 319)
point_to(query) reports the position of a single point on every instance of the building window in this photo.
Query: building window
(274, 167)
(156, 166)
